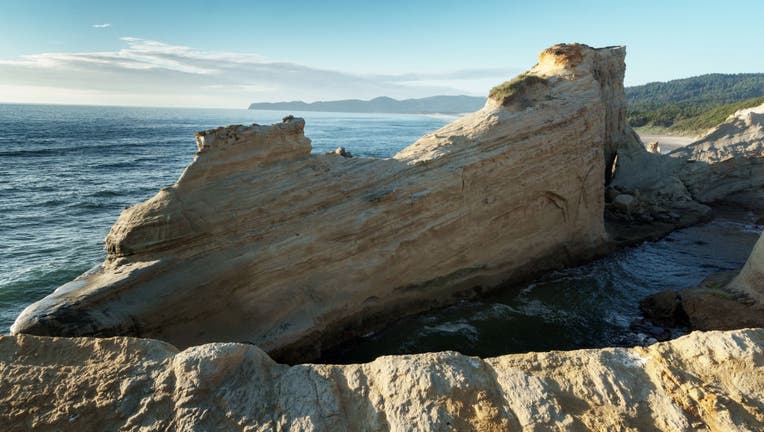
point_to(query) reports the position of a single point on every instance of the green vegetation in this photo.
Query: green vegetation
(714, 116)
(692, 105)
(508, 90)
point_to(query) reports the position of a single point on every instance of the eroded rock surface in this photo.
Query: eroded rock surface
(728, 159)
(704, 381)
(262, 241)
(675, 190)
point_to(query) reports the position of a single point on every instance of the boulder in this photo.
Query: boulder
(340, 151)
(665, 309)
(624, 203)
(653, 147)
(262, 241)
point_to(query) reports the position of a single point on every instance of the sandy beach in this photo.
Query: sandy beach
(667, 143)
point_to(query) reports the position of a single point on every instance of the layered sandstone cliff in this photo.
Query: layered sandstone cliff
(262, 241)
(704, 381)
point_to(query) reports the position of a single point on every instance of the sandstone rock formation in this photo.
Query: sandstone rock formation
(726, 163)
(675, 189)
(750, 280)
(728, 159)
(704, 381)
(662, 202)
(262, 241)
(653, 147)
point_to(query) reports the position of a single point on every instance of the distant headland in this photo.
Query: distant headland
(383, 104)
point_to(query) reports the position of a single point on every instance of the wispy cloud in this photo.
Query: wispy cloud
(101, 25)
(147, 72)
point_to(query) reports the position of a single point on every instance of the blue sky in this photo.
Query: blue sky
(228, 53)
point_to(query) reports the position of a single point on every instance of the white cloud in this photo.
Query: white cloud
(101, 25)
(148, 72)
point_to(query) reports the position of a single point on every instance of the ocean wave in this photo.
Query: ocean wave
(32, 153)
(106, 194)
(461, 328)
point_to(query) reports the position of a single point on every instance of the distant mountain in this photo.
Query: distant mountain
(688, 105)
(693, 104)
(428, 105)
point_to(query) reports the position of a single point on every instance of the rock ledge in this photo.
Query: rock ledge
(703, 381)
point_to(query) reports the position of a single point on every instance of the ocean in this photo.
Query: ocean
(66, 173)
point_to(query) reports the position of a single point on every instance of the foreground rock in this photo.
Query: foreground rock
(262, 241)
(703, 381)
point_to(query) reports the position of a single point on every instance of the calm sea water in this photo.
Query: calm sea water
(67, 172)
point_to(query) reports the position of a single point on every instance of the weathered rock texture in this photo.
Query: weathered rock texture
(704, 381)
(262, 241)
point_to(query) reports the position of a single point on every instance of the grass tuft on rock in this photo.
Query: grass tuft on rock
(509, 90)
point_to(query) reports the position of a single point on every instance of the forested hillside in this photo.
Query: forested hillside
(693, 104)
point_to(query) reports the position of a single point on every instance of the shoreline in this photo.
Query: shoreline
(667, 143)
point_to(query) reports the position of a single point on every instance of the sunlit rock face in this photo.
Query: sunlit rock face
(261, 241)
(750, 280)
(704, 381)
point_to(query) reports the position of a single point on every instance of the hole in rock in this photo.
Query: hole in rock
(611, 169)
